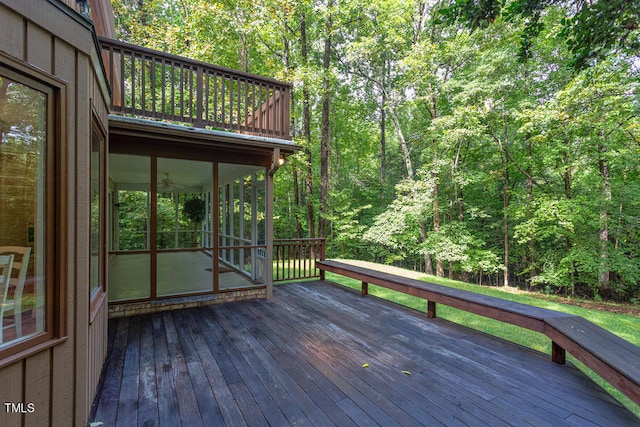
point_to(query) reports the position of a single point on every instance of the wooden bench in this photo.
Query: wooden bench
(617, 361)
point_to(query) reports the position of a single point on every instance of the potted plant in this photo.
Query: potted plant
(193, 209)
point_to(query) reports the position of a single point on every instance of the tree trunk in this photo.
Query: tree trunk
(306, 118)
(297, 203)
(143, 13)
(568, 242)
(403, 144)
(436, 184)
(420, 18)
(383, 136)
(464, 276)
(452, 187)
(533, 272)
(407, 161)
(604, 222)
(436, 221)
(297, 199)
(620, 209)
(428, 265)
(453, 197)
(324, 127)
(505, 206)
(244, 53)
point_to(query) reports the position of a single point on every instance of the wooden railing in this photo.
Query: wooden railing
(161, 86)
(296, 258)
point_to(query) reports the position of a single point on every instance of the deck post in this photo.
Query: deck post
(199, 119)
(269, 226)
(323, 256)
(558, 354)
(431, 309)
(365, 289)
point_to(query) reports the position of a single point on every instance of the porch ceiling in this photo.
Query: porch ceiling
(131, 172)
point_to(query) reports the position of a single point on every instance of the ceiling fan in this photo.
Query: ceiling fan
(167, 184)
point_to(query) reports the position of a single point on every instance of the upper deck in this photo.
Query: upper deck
(151, 84)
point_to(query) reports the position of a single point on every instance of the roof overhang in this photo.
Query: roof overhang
(162, 131)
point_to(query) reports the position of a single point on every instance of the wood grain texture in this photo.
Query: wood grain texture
(63, 378)
(12, 390)
(608, 355)
(12, 32)
(37, 388)
(59, 49)
(39, 48)
(298, 359)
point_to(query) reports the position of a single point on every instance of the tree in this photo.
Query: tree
(324, 126)
(499, 139)
(592, 29)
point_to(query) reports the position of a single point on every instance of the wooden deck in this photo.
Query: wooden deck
(298, 359)
(611, 357)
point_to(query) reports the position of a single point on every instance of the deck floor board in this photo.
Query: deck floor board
(298, 359)
(482, 364)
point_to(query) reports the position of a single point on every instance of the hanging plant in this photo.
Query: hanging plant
(193, 209)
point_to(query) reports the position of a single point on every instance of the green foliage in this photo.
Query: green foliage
(455, 244)
(522, 137)
(591, 29)
(133, 216)
(395, 233)
(346, 227)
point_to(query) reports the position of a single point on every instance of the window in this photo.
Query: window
(27, 213)
(97, 267)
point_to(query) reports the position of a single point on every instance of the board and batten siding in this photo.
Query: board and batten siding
(61, 380)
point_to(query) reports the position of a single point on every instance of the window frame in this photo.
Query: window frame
(56, 230)
(98, 297)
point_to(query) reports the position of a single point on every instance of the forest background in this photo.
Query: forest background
(492, 141)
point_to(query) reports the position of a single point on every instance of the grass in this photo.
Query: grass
(625, 326)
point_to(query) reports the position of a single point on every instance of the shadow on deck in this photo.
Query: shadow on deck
(298, 359)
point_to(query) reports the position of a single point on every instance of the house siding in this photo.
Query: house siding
(61, 380)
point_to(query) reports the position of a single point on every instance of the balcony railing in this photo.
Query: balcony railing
(161, 86)
(296, 258)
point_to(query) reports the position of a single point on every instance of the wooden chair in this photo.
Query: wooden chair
(15, 304)
(6, 265)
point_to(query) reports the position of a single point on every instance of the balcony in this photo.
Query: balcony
(156, 85)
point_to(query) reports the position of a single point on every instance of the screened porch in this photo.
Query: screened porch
(184, 227)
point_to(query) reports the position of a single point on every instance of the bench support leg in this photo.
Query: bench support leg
(365, 289)
(558, 354)
(431, 309)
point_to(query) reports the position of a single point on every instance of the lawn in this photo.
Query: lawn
(626, 326)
